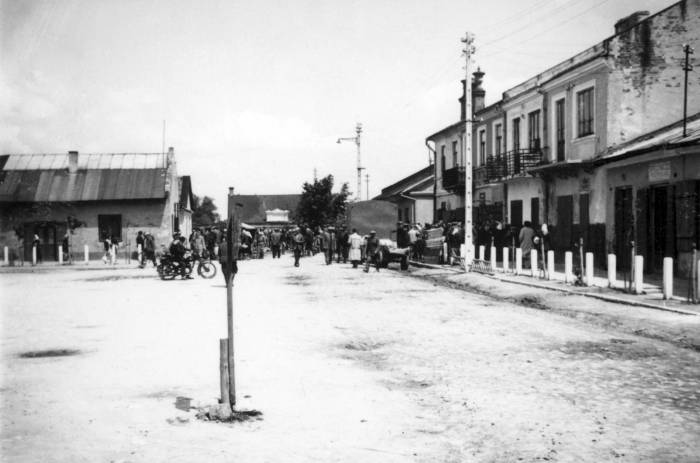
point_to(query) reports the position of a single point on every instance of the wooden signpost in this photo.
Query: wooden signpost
(227, 363)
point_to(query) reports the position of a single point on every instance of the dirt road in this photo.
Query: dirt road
(345, 366)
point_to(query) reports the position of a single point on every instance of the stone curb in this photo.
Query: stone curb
(603, 297)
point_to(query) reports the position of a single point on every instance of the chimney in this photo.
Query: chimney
(478, 93)
(72, 162)
(630, 21)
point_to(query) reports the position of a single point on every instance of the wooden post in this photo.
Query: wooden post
(494, 258)
(233, 232)
(589, 269)
(550, 265)
(7, 256)
(482, 252)
(518, 261)
(34, 255)
(694, 276)
(506, 259)
(638, 274)
(533, 262)
(60, 254)
(86, 250)
(612, 270)
(668, 278)
(568, 266)
(223, 368)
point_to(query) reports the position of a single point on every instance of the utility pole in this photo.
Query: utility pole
(356, 139)
(315, 175)
(688, 50)
(367, 183)
(468, 50)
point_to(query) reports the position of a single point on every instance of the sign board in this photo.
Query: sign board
(660, 171)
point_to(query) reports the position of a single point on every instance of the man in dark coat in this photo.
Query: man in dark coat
(372, 253)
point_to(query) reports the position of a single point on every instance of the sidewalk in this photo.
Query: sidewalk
(652, 296)
(78, 265)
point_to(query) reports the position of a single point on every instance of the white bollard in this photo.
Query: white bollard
(668, 277)
(7, 256)
(59, 248)
(446, 257)
(550, 265)
(612, 270)
(482, 252)
(518, 261)
(638, 274)
(494, 260)
(568, 266)
(139, 252)
(506, 260)
(589, 269)
(86, 250)
(33, 255)
(533, 263)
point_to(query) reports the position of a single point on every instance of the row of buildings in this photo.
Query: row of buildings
(596, 147)
(88, 197)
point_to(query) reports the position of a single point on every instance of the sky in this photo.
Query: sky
(255, 94)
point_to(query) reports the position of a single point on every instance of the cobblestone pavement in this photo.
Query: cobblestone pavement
(346, 366)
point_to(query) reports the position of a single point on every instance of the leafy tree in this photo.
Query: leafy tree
(319, 206)
(204, 212)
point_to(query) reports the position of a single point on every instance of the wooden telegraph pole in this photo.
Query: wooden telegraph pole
(228, 367)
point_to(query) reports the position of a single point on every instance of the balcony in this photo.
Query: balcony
(513, 163)
(454, 178)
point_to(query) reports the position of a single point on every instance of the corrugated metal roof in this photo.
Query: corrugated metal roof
(45, 177)
(86, 161)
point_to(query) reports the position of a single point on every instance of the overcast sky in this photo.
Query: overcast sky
(256, 93)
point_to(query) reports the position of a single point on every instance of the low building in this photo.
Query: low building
(88, 197)
(261, 210)
(413, 196)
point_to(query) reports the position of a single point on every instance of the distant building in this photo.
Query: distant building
(92, 196)
(413, 196)
(266, 209)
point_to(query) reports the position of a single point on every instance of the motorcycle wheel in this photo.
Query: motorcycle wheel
(168, 272)
(206, 270)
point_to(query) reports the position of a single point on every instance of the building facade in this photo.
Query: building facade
(88, 197)
(413, 195)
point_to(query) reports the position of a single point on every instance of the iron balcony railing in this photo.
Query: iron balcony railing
(513, 163)
(453, 178)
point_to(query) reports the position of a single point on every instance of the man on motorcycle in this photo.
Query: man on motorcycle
(177, 252)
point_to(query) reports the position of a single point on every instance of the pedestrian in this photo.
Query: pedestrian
(107, 244)
(372, 251)
(343, 245)
(355, 248)
(64, 247)
(36, 243)
(275, 242)
(525, 238)
(140, 241)
(149, 249)
(300, 243)
(325, 243)
(197, 244)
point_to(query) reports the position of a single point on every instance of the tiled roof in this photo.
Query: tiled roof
(45, 177)
(414, 182)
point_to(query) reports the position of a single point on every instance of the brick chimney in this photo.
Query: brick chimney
(478, 93)
(630, 21)
(72, 162)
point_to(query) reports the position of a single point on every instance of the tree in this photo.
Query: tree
(319, 206)
(204, 212)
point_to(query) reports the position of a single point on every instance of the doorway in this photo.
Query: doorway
(624, 226)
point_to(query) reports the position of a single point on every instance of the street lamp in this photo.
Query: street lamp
(356, 139)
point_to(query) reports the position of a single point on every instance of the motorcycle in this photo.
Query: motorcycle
(169, 267)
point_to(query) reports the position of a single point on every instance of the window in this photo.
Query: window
(516, 134)
(533, 130)
(442, 157)
(584, 112)
(482, 147)
(454, 154)
(559, 129)
(499, 139)
(110, 225)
